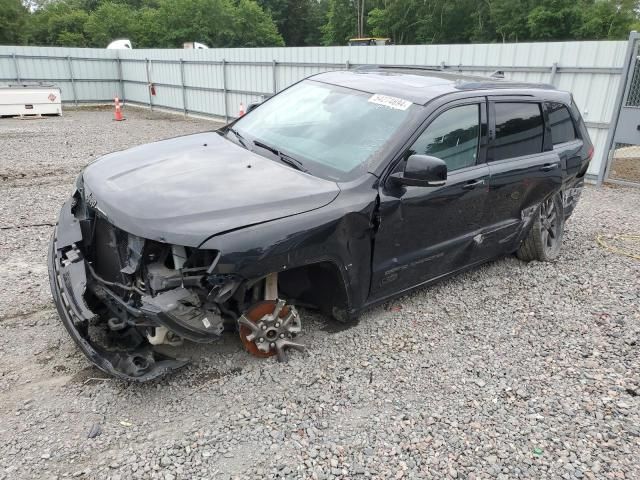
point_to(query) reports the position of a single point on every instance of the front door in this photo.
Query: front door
(426, 232)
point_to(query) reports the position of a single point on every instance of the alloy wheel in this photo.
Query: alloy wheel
(549, 225)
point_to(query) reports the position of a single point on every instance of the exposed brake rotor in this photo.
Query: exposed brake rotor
(267, 327)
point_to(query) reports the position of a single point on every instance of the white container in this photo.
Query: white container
(195, 46)
(30, 100)
(122, 44)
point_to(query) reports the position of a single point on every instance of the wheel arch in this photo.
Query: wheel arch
(321, 283)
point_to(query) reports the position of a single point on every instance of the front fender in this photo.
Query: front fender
(338, 234)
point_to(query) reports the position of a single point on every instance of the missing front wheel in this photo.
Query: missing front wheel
(267, 328)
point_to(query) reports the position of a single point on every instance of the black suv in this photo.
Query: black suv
(342, 191)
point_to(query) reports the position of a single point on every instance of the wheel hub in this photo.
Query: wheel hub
(266, 329)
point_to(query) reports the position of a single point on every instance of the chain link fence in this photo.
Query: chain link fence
(633, 98)
(625, 163)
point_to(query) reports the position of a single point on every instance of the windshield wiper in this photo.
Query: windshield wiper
(240, 138)
(284, 158)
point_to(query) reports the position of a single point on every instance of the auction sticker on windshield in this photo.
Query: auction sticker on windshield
(391, 102)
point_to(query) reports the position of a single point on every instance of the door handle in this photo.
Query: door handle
(547, 167)
(471, 184)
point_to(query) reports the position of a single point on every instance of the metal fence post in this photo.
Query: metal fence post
(15, 64)
(73, 80)
(554, 70)
(347, 65)
(275, 78)
(184, 92)
(148, 62)
(622, 88)
(224, 90)
(120, 80)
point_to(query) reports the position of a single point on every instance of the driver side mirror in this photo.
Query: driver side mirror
(257, 103)
(422, 171)
(252, 106)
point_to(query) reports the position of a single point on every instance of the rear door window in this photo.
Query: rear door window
(519, 130)
(562, 128)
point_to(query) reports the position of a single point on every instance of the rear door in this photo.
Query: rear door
(523, 169)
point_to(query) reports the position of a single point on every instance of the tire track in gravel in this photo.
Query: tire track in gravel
(28, 174)
(35, 225)
(16, 316)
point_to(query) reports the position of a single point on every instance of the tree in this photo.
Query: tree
(147, 28)
(360, 12)
(109, 22)
(428, 21)
(224, 23)
(316, 19)
(58, 23)
(611, 19)
(216, 23)
(396, 20)
(298, 21)
(341, 23)
(553, 20)
(509, 18)
(13, 18)
(253, 27)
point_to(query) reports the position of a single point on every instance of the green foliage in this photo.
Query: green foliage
(463, 21)
(152, 23)
(607, 20)
(216, 23)
(149, 32)
(510, 19)
(109, 22)
(253, 27)
(255, 23)
(341, 22)
(298, 21)
(13, 18)
(58, 23)
(71, 39)
(316, 19)
(554, 19)
(206, 21)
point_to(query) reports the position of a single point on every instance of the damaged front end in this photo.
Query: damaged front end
(121, 296)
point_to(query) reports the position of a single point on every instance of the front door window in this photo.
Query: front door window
(453, 137)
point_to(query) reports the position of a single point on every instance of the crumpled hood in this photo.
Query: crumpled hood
(186, 189)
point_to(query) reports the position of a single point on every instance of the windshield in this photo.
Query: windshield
(331, 131)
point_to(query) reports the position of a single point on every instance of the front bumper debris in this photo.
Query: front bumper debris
(68, 279)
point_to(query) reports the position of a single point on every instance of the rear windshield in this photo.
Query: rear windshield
(332, 131)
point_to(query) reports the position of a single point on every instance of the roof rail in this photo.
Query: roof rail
(476, 85)
(431, 68)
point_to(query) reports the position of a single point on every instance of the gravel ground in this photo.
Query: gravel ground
(512, 370)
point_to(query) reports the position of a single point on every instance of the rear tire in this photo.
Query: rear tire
(544, 239)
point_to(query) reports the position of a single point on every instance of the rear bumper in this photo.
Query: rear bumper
(68, 281)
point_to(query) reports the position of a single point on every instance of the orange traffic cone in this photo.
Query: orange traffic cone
(241, 112)
(117, 114)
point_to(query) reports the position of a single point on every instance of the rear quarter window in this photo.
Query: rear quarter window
(519, 130)
(562, 127)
